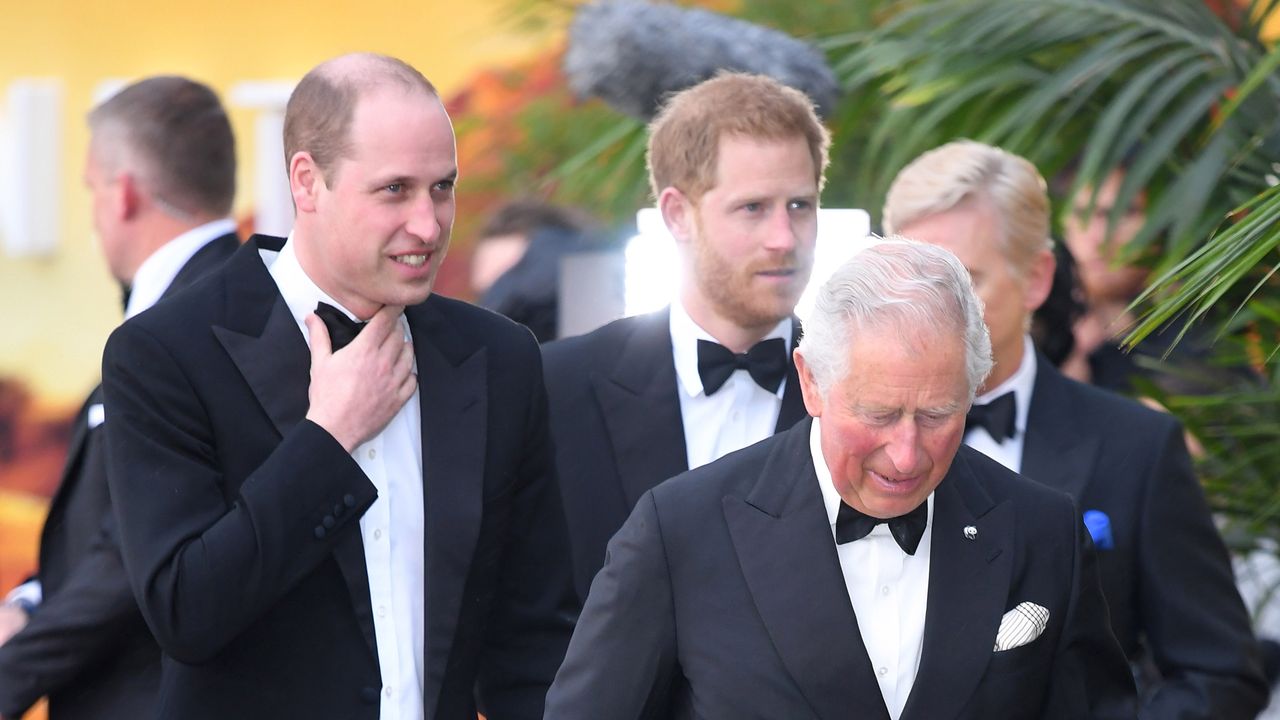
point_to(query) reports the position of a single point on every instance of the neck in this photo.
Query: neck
(1006, 365)
(154, 233)
(1112, 316)
(730, 334)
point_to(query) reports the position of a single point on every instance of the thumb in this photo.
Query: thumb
(321, 347)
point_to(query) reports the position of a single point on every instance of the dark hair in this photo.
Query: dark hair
(318, 117)
(527, 215)
(1053, 323)
(177, 133)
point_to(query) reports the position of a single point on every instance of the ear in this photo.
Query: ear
(808, 387)
(677, 212)
(126, 199)
(1040, 279)
(305, 181)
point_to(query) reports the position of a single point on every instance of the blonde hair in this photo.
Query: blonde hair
(963, 172)
(684, 138)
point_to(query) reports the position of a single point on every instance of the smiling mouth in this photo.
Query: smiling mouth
(781, 272)
(413, 261)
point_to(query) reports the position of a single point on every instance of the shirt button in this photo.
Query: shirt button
(884, 590)
(736, 416)
(377, 534)
(387, 692)
(372, 453)
(884, 671)
(382, 612)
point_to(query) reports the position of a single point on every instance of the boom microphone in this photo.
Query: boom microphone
(633, 54)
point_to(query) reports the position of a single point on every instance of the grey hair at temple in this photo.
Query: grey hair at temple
(896, 283)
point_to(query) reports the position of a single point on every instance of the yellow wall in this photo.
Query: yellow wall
(56, 312)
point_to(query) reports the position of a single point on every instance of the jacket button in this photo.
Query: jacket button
(338, 509)
(320, 532)
(328, 522)
(349, 500)
(369, 695)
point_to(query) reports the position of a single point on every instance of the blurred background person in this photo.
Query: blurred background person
(161, 171)
(516, 261)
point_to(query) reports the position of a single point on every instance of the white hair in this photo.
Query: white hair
(901, 284)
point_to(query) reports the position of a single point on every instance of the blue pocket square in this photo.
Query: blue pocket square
(1099, 526)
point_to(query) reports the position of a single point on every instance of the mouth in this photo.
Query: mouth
(895, 486)
(413, 260)
(781, 273)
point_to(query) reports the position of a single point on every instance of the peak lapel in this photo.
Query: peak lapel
(641, 409)
(968, 588)
(788, 558)
(1055, 452)
(268, 349)
(453, 394)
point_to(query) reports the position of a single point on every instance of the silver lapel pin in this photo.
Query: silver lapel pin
(970, 532)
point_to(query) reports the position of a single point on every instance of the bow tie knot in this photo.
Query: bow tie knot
(766, 362)
(342, 329)
(907, 530)
(997, 417)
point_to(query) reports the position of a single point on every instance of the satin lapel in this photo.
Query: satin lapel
(453, 394)
(641, 409)
(968, 589)
(71, 471)
(1055, 452)
(792, 410)
(788, 558)
(268, 349)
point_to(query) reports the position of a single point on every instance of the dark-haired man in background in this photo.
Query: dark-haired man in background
(161, 169)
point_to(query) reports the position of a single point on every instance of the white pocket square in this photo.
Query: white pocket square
(1021, 625)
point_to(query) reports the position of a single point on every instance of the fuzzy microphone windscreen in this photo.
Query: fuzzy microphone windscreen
(633, 54)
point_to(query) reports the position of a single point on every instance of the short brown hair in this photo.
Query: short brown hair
(684, 138)
(318, 117)
(968, 171)
(174, 132)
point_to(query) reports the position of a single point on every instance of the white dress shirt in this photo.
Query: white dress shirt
(157, 272)
(1020, 383)
(889, 591)
(392, 528)
(739, 414)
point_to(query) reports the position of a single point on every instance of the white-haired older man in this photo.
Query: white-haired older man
(863, 564)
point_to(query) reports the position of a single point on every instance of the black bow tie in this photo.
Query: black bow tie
(996, 416)
(906, 529)
(125, 291)
(766, 362)
(342, 329)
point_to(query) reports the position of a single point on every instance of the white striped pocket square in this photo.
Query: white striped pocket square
(1021, 625)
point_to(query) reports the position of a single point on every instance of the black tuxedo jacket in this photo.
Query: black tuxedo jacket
(723, 596)
(615, 419)
(86, 647)
(239, 518)
(1168, 578)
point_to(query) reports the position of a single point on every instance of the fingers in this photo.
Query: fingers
(384, 325)
(320, 343)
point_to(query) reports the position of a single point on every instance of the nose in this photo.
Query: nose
(422, 222)
(903, 448)
(783, 232)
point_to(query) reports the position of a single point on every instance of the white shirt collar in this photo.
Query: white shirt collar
(1021, 383)
(156, 273)
(299, 291)
(830, 498)
(685, 334)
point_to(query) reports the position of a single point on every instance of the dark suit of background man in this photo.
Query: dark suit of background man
(365, 532)
(736, 165)
(861, 566)
(1165, 571)
(161, 169)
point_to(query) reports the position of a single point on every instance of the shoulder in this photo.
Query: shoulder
(600, 346)
(1004, 485)
(1114, 417)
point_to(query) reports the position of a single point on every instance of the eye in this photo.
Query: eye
(394, 188)
(753, 207)
(444, 186)
(799, 205)
(933, 420)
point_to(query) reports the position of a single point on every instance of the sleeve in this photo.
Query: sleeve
(1091, 677)
(72, 630)
(206, 558)
(1195, 623)
(622, 658)
(534, 612)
